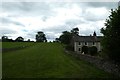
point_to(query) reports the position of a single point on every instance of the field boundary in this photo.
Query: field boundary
(98, 62)
(13, 49)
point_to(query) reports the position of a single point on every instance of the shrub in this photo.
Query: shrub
(93, 51)
(68, 47)
(85, 49)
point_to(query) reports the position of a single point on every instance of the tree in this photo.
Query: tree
(65, 37)
(111, 39)
(4, 38)
(57, 40)
(19, 39)
(75, 31)
(28, 40)
(40, 37)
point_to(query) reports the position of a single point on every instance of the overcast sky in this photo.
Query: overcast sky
(27, 18)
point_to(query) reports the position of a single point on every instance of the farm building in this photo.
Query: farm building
(79, 41)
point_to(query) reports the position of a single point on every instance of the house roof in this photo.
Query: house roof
(87, 38)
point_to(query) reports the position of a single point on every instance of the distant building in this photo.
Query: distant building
(79, 41)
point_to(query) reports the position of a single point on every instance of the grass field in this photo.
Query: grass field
(12, 46)
(16, 44)
(0, 60)
(46, 60)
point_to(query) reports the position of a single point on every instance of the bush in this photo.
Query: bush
(85, 49)
(93, 51)
(68, 47)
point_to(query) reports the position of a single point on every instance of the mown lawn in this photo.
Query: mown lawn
(0, 60)
(6, 45)
(47, 60)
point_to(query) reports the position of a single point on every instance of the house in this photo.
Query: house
(80, 41)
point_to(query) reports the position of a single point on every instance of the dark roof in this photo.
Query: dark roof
(87, 38)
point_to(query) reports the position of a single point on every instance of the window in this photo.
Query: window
(93, 43)
(79, 49)
(85, 43)
(79, 43)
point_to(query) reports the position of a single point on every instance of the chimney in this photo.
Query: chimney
(94, 34)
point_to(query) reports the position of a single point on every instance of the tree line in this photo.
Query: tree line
(18, 39)
(40, 37)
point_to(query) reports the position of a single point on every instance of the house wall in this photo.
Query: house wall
(89, 44)
(75, 46)
(98, 46)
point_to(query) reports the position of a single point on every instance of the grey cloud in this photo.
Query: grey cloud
(51, 32)
(57, 29)
(46, 10)
(50, 35)
(44, 18)
(74, 22)
(16, 6)
(27, 8)
(68, 25)
(89, 32)
(30, 35)
(86, 32)
(8, 21)
(109, 5)
(6, 31)
(92, 18)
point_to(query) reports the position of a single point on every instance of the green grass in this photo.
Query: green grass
(16, 44)
(47, 60)
(0, 44)
(0, 60)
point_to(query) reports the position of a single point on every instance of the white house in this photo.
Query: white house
(80, 41)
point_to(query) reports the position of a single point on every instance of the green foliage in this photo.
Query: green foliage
(7, 45)
(14, 46)
(57, 40)
(75, 31)
(111, 39)
(65, 37)
(70, 48)
(85, 49)
(40, 37)
(5, 39)
(19, 39)
(93, 51)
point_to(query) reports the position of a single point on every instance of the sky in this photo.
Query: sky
(20, 18)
